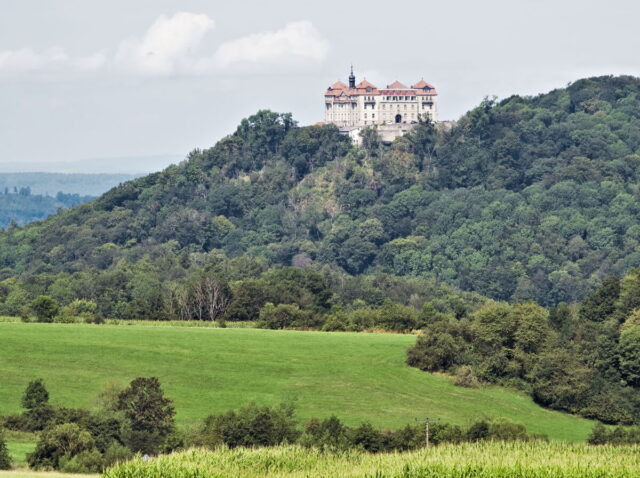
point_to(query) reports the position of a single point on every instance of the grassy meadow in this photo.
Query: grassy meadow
(358, 377)
(480, 460)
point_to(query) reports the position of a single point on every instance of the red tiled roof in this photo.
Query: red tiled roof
(396, 84)
(338, 85)
(365, 84)
(423, 84)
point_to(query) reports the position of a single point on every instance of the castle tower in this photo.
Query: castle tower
(352, 79)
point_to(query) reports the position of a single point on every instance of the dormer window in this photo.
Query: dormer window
(369, 90)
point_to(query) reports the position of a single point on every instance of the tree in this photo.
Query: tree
(62, 441)
(35, 395)
(5, 458)
(45, 308)
(149, 414)
(629, 355)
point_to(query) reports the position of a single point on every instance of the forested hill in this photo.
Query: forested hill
(526, 198)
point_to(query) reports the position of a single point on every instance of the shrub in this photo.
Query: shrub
(465, 377)
(87, 461)
(5, 458)
(284, 316)
(116, 453)
(60, 442)
(251, 426)
(35, 395)
(45, 308)
(79, 309)
(329, 433)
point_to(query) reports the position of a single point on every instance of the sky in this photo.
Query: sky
(129, 79)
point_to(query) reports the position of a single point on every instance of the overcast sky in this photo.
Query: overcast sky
(121, 78)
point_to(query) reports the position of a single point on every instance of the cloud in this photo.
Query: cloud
(297, 41)
(168, 47)
(26, 60)
(171, 46)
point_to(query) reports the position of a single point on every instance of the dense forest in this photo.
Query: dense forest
(529, 198)
(526, 200)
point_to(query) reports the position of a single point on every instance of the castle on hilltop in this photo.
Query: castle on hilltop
(394, 108)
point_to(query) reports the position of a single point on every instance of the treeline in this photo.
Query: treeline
(583, 359)
(525, 199)
(243, 289)
(140, 419)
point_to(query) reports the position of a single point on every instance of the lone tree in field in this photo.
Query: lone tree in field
(5, 459)
(149, 415)
(35, 395)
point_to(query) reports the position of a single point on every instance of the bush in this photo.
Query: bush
(116, 453)
(79, 310)
(88, 461)
(465, 377)
(45, 308)
(285, 316)
(329, 433)
(59, 444)
(5, 458)
(251, 426)
(35, 395)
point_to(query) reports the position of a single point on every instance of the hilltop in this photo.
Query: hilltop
(526, 198)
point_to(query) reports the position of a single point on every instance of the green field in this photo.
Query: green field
(481, 460)
(357, 377)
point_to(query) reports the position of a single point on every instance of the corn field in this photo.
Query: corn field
(481, 460)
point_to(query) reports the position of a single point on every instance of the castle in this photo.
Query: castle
(394, 108)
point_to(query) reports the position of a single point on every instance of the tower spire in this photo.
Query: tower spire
(352, 78)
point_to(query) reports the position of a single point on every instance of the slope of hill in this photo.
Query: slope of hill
(528, 198)
(357, 377)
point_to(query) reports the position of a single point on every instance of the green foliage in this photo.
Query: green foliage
(585, 363)
(284, 316)
(5, 458)
(149, 414)
(352, 376)
(35, 395)
(251, 426)
(60, 444)
(601, 435)
(529, 198)
(474, 460)
(45, 308)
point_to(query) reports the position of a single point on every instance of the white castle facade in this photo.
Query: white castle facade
(364, 104)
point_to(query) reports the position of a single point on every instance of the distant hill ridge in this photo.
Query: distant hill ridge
(526, 198)
(135, 165)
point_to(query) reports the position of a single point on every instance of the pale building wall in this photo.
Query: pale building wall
(377, 109)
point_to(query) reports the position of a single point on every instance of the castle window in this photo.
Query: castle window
(373, 115)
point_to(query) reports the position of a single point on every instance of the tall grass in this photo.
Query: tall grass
(480, 460)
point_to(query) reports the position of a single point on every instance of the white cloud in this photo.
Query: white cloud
(27, 60)
(171, 45)
(297, 41)
(168, 47)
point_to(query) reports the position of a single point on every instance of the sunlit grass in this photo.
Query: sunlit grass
(357, 377)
